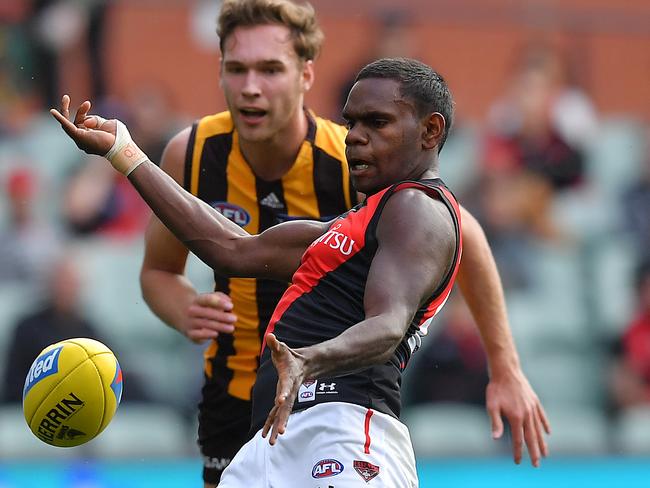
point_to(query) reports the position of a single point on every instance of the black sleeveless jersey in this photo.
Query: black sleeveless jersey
(316, 187)
(326, 298)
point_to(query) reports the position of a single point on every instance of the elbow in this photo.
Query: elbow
(390, 340)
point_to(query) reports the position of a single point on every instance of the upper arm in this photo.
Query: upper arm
(163, 251)
(417, 244)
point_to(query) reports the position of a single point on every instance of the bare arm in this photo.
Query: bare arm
(480, 284)
(404, 272)
(213, 238)
(509, 394)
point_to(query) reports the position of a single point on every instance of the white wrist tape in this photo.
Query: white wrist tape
(124, 155)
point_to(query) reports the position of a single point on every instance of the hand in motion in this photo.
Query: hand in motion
(209, 315)
(91, 133)
(95, 135)
(290, 365)
(513, 398)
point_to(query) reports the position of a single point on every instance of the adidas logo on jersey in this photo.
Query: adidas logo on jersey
(271, 200)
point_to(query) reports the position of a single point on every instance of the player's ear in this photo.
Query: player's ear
(433, 129)
(307, 75)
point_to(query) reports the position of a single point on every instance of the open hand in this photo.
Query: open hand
(290, 366)
(91, 133)
(512, 397)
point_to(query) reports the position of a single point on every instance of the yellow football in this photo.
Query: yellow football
(72, 391)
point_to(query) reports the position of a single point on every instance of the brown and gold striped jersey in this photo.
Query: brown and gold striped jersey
(316, 187)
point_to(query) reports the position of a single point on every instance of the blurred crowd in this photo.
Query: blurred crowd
(562, 191)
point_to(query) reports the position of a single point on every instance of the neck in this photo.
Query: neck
(272, 158)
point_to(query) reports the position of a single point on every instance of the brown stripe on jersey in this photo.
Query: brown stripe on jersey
(328, 182)
(212, 185)
(270, 202)
(189, 158)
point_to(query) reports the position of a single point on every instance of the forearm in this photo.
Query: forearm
(479, 281)
(198, 226)
(168, 295)
(366, 344)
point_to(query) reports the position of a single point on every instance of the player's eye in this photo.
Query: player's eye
(235, 70)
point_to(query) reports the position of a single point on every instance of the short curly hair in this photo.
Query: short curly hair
(300, 19)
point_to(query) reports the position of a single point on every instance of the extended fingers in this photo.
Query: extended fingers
(531, 434)
(65, 106)
(219, 301)
(517, 429)
(544, 419)
(82, 113)
(68, 126)
(496, 421)
(539, 426)
(207, 314)
(276, 422)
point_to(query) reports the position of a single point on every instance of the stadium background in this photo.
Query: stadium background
(578, 300)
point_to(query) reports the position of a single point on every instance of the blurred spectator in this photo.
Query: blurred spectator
(393, 39)
(636, 203)
(27, 245)
(536, 136)
(451, 366)
(630, 378)
(152, 122)
(99, 201)
(55, 28)
(533, 149)
(57, 319)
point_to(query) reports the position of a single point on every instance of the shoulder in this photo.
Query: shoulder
(176, 150)
(214, 124)
(416, 211)
(173, 158)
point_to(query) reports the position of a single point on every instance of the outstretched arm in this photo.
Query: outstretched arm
(216, 240)
(404, 272)
(509, 394)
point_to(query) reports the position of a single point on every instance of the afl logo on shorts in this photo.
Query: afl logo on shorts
(326, 468)
(233, 212)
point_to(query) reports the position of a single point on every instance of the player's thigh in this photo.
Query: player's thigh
(249, 467)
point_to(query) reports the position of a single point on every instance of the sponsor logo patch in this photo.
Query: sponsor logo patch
(326, 468)
(327, 389)
(307, 391)
(233, 212)
(366, 470)
(271, 200)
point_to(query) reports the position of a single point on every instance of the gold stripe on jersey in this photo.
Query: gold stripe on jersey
(298, 184)
(246, 342)
(219, 172)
